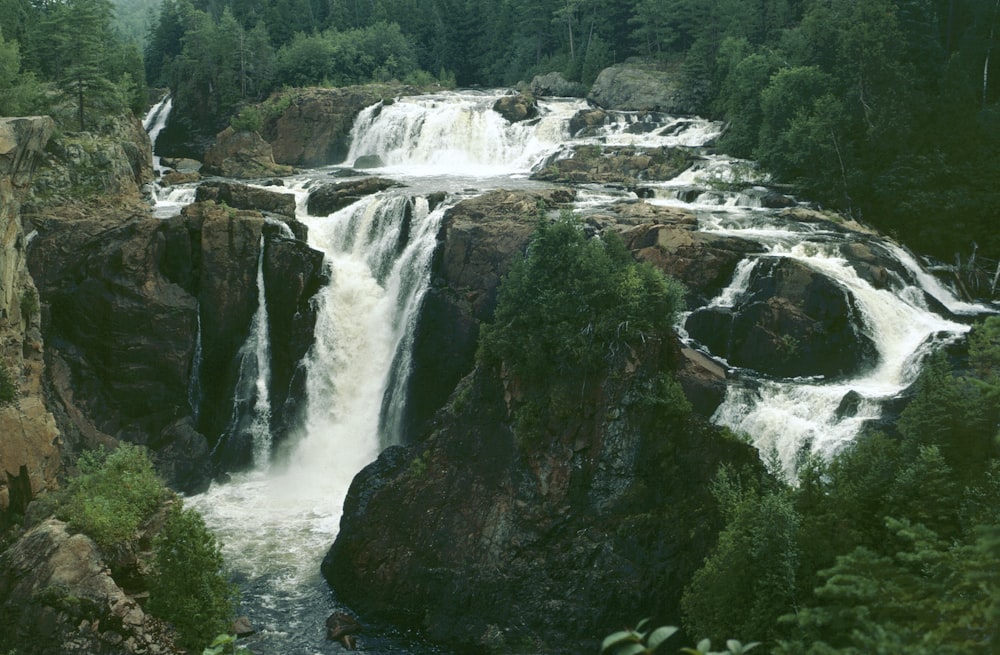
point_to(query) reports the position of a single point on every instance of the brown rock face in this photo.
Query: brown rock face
(57, 595)
(314, 128)
(597, 165)
(242, 155)
(516, 108)
(332, 197)
(125, 292)
(29, 440)
(478, 241)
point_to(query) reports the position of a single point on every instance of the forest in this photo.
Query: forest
(885, 110)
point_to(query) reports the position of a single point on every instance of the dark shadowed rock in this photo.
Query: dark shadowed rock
(619, 165)
(368, 161)
(477, 242)
(793, 321)
(516, 108)
(332, 197)
(242, 154)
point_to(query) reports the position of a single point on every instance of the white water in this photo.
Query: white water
(278, 521)
(154, 122)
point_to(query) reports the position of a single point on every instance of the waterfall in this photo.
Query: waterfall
(195, 393)
(154, 122)
(277, 520)
(458, 134)
(378, 253)
(251, 414)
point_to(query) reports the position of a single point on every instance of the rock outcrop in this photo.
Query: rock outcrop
(58, 595)
(29, 440)
(604, 517)
(478, 240)
(130, 298)
(242, 154)
(554, 84)
(333, 197)
(792, 321)
(622, 165)
(314, 125)
(112, 165)
(640, 86)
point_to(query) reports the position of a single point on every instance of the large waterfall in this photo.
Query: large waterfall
(278, 520)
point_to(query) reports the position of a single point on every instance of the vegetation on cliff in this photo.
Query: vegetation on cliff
(110, 499)
(890, 547)
(571, 307)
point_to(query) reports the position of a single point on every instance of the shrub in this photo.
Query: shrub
(29, 303)
(573, 304)
(249, 119)
(189, 587)
(112, 495)
(8, 386)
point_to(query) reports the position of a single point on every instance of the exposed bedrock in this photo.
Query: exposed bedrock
(127, 295)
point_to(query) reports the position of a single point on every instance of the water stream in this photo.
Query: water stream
(278, 520)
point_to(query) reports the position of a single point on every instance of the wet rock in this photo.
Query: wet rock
(242, 627)
(175, 178)
(242, 155)
(241, 196)
(516, 108)
(618, 165)
(342, 627)
(332, 197)
(368, 161)
(791, 322)
(585, 121)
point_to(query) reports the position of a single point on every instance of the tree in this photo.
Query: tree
(80, 31)
(189, 587)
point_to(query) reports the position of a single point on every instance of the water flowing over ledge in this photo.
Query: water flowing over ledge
(278, 519)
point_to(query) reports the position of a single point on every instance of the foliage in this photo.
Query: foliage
(568, 310)
(189, 587)
(249, 119)
(113, 493)
(639, 642)
(8, 385)
(574, 304)
(225, 644)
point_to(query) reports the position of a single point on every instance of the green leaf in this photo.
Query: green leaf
(617, 638)
(704, 645)
(660, 635)
(632, 649)
(641, 624)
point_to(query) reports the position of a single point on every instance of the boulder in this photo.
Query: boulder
(554, 84)
(368, 161)
(516, 108)
(175, 178)
(615, 165)
(241, 196)
(640, 86)
(586, 121)
(242, 154)
(792, 321)
(333, 197)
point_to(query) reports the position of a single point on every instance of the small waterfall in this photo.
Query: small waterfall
(797, 417)
(251, 416)
(458, 134)
(378, 252)
(154, 122)
(195, 393)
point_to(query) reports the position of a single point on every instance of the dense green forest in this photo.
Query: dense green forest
(886, 109)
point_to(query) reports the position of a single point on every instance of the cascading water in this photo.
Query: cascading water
(154, 122)
(277, 520)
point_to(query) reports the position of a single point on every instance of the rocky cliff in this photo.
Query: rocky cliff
(29, 440)
(140, 309)
(496, 544)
